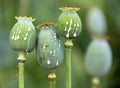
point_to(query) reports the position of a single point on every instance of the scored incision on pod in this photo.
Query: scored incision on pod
(50, 51)
(69, 23)
(23, 35)
(98, 58)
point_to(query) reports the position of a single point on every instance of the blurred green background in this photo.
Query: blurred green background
(47, 10)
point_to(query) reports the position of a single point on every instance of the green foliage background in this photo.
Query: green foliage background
(47, 10)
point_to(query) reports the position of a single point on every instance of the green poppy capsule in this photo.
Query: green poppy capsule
(98, 58)
(50, 53)
(69, 23)
(23, 35)
(96, 22)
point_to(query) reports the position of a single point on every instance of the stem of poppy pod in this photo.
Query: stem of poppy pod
(52, 78)
(68, 49)
(21, 60)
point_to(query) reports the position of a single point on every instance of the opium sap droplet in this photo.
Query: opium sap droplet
(48, 61)
(98, 58)
(57, 63)
(25, 38)
(50, 52)
(67, 35)
(50, 38)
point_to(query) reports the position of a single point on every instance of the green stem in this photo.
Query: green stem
(96, 83)
(52, 78)
(21, 75)
(21, 60)
(24, 7)
(52, 84)
(68, 48)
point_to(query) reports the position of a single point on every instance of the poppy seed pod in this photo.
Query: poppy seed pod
(69, 23)
(50, 52)
(98, 58)
(95, 22)
(23, 35)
